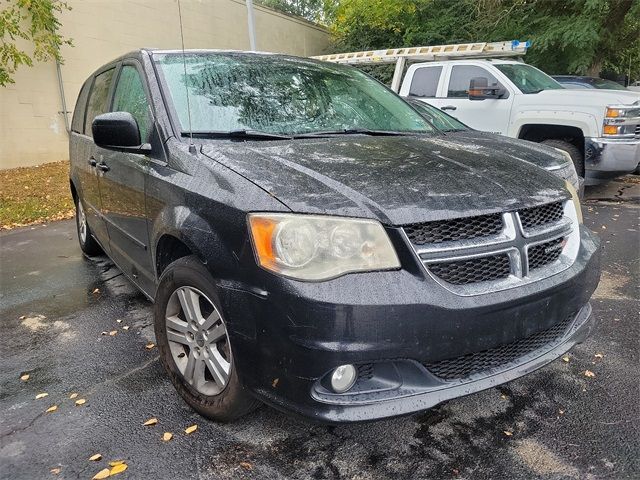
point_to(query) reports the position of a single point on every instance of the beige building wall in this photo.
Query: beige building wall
(32, 129)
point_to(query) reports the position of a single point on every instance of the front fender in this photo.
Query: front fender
(586, 122)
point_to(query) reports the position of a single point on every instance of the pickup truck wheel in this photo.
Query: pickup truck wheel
(194, 344)
(573, 151)
(88, 244)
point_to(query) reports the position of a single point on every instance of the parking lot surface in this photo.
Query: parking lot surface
(58, 312)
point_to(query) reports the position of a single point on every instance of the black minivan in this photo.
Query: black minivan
(311, 242)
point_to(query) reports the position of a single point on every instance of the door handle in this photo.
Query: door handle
(92, 162)
(449, 107)
(103, 166)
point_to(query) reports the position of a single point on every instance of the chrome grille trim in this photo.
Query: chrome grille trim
(514, 241)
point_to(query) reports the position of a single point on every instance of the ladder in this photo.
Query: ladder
(399, 56)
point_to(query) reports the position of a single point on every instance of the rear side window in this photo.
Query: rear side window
(77, 123)
(425, 82)
(461, 76)
(98, 98)
(131, 97)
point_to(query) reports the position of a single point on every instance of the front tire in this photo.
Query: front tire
(88, 244)
(573, 151)
(194, 345)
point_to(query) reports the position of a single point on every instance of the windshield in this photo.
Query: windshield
(437, 117)
(527, 78)
(279, 95)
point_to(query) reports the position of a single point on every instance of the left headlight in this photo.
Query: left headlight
(317, 247)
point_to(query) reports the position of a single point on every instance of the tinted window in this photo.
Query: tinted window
(77, 124)
(441, 120)
(131, 97)
(98, 98)
(425, 82)
(282, 95)
(461, 76)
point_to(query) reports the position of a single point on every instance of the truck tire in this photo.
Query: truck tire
(194, 344)
(573, 151)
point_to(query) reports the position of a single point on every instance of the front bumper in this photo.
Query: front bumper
(607, 158)
(287, 340)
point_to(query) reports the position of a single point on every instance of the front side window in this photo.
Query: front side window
(279, 95)
(131, 97)
(98, 98)
(461, 76)
(527, 78)
(425, 82)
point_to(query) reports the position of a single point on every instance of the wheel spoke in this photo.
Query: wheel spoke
(189, 370)
(177, 337)
(190, 302)
(218, 367)
(216, 334)
(211, 320)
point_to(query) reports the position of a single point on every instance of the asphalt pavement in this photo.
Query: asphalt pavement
(58, 312)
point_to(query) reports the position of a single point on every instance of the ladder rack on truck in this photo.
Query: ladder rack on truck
(399, 56)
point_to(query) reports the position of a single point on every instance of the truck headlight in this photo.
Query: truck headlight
(318, 247)
(621, 120)
(576, 200)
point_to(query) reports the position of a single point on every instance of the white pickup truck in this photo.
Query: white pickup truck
(600, 129)
(481, 85)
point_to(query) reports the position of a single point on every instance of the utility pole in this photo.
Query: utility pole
(252, 26)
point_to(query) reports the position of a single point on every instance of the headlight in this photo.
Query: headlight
(315, 247)
(576, 200)
(621, 120)
(567, 171)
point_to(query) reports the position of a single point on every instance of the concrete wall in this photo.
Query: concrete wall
(32, 128)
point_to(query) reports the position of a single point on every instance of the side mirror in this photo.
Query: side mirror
(479, 89)
(118, 131)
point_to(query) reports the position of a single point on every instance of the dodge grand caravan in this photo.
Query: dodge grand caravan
(313, 243)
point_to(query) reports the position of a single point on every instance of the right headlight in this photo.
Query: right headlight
(317, 247)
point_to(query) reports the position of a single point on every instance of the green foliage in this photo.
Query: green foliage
(569, 36)
(34, 21)
(312, 10)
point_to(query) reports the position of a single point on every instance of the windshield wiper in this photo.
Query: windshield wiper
(350, 131)
(241, 134)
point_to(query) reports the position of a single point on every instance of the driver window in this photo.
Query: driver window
(131, 97)
(461, 76)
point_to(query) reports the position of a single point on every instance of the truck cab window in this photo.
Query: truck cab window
(98, 98)
(131, 97)
(425, 82)
(461, 76)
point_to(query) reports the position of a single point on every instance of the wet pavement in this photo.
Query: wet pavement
(55, 304)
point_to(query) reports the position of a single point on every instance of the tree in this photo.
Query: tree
(311, 10)
(34, 21)
(570, 36)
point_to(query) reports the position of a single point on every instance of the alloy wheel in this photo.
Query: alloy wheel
(198, 340)
(82, 223)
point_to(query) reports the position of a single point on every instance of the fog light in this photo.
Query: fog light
(343, 378)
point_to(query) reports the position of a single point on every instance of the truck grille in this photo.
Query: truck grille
(494, 252)
(637, 131)
(456, 229)
(539, 216)
(474, 270)
(501, 356)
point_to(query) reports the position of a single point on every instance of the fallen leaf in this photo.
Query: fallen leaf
(113, 332)
(96, 457)
(191, 429)
(126, 327)
(116, 469)
(41, 395)
(81, 401)
(56, 470)
(565, 358)
(274, 384)
(97, 290)
(507, 433)
(167, 436)
(149, 345)
(151, 421)
(599, 355)
(73, 395)
(246, 465)
(24, 377)
(104, 333)
(119, 320)
(52, 408)
(104, 473)
(503, 396)
(22, 317)
(589, 373)
(561, 412)
(115, 463)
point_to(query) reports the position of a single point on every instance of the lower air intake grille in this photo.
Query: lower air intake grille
(472, 363)
(473, 270)
(543, 215)
(456, 229)
(545, 253)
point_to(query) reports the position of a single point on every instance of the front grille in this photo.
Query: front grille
(543, 215)
(473, 270)
(545, 253)
(456, 229)
(478, 362)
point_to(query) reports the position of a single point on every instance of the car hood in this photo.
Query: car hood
(541, 155)
(397, 180)
(593, 97)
